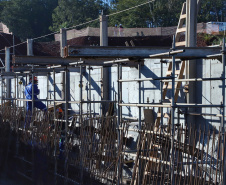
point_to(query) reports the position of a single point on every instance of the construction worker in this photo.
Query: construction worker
(120, 30)
(28, 95)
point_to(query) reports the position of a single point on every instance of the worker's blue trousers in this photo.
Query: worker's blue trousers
(37, 104)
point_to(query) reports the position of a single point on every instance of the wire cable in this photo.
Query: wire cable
(15, 45)
(46, 35)
(130, 8)
(82, 24)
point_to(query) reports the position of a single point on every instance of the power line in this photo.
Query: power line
(130, 8)
(46, 35)
(82, 24)
(15, 45)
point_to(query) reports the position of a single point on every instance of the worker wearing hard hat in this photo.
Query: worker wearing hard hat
(28, 95)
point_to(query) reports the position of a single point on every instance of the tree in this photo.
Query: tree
(70, 13)
(212, 10)
(158, 13)
(28, 18)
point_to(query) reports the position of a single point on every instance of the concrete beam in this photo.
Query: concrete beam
(45, 61)
(44, 70)
(139, 52)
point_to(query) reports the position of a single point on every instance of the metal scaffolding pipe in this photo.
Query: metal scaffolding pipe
(169, 105)
(32, 92)
(1, 92)
(181, 105)
(55, 128)
(89, 92)
(166, 53)
(223, 110)
(67, 93)
(144, 105)
(139, 117)
(145, 79)
(118, 61)
(80, 122)
(7, 69)
(119, 112)
(172, 114)
(194, 79)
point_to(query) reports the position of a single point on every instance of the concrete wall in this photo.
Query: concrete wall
(127, 32)
(208, 92)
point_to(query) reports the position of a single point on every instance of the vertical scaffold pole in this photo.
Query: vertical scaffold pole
(66, 125)
(17, 90)
(90, 91)
(104, 70)
(2, 90)
(47, 97)
(31, 125)
(55, 127)
(63, 43)
(223, 112)
(172, 114)
(161, 89)
(139, 114)
(7, 69)
(119, 71)
(80, 122)
(32, 90)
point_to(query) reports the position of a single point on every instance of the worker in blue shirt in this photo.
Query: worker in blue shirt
(28, 95)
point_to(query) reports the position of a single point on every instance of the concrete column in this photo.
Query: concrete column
(30, 47)
(105, 70)
(103, 30)
(63, 43)
(7, 69)
(191, 20)
(191, 39)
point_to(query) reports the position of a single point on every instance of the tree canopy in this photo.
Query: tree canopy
(212, 10)
(33, 18)
(157, 13)
(70, 13)
(28, 18)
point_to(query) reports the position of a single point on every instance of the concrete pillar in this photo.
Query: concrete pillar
(191, 20)
(7, 69)
(105, 70)
(30, 47)
(63, 43)
(103, 30)
(191, 39)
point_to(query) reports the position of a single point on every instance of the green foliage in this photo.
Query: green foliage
(32, 18)
(28, 18)
(212, 10)
(158, 13)
(70, 13)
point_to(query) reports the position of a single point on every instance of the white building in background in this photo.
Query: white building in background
(215, 27)
(4, 29)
